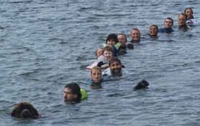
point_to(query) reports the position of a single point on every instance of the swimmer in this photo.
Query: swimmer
(99, 52)
(96, 78)
(123, 40)
(135, 35)
(168, 23)
(24, 110)
(113, 42)
(190, 18)
(73, 93)
(182, 18)
(104, 59)
(141, 85)
(153, 31)
(115, 68)
(189, 12)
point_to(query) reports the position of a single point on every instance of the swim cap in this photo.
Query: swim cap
(84, 94)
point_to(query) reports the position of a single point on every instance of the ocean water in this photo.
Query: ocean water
(46, 44)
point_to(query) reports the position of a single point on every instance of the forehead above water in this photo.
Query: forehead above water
(96, 69)
(115, 60)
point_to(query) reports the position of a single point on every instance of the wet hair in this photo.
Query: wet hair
(153, 25)
(98, 50)
(115, 60)
(96, 68)
(75, 89)
(123, 35)
(135, 29)
(187, 9)
(183, 15)
(141, 85)
(171, 20)
(112, 37)
(24, 110)
(107, 48)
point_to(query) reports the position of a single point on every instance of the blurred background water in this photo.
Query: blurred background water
(46, 44)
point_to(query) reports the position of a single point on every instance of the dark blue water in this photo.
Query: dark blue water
(46, 44)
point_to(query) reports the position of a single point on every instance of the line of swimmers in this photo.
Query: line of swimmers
(72, 94)
(119, 44)
(107, 64)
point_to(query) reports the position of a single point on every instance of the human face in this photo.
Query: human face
(110, 42)
(68, 95)
(115, 68)
(99, 52)
(135, 35)
(107, 54)
(96, 75)
(168, 23)
(189, 13)
(181, 20)
(122, 39)
(153, 31)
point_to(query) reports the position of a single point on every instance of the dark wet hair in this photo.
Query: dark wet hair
(75, 89)
(171, 20)
(114, 59)
(190, 9)
(24, 110)
(112, 37)
(141, 85)
(153, 25)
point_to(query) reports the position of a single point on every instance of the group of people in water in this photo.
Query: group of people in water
(108, 64)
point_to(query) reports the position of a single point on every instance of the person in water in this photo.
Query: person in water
(122, 38)
(141, 85)
(190, 18)
(104, 59)
(115, 68)
(73, 93)
(153, 31)
(182, 18)
(189, 12)
(168, 23)
(99, 52)
(96, 78)
(135, 35)
(24, 110)
(112, 41)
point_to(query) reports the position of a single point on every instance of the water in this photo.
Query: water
(46, 44)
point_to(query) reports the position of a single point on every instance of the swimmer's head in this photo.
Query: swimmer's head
(99, 52)
(135, 34)
(153, 30)
(168, 23)
(189, 12)
(182, 18)
(141, 85)
(24, 110)
(122, 38)
(72, 92)
(96, 74)
(115, 66)
(111, 39)
(108, 53)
